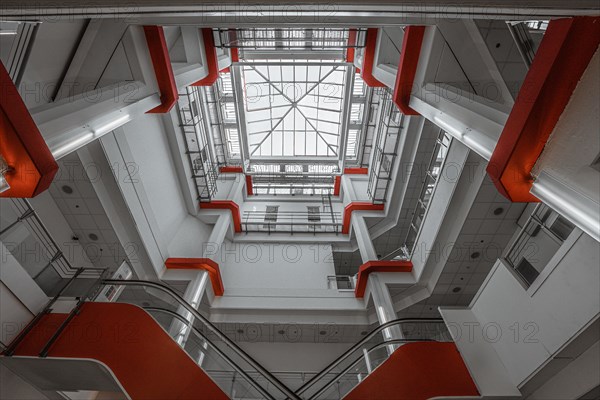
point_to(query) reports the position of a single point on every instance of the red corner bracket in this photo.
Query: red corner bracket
(378, 266)
(212, 61)
(369, 59)
(239, 170)
(155, 38)
(407, 67)
(351, 43)
(226, 205)
(564, 53)
(357, 206)
(337, 184)
(206, 264)
(22, 145)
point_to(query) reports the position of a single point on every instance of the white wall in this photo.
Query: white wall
(282, 266)
(154, 167)
(547, 316)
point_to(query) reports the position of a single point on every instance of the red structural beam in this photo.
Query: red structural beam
(212, 61)
(356, 171)
(407, 68)
(145, 360)
(351, 43)
(378, 266)
(369, 59)
(249, 187)
(206, 264)
(357, 206)
(159, 53)
(337, 185)
(563, 55)
(230, 169)
(226, 205)
(21, 145)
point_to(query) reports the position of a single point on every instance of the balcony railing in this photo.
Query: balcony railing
(291, 222)
(385, 148)
(537, 242)
(430, 181)
(197, 144)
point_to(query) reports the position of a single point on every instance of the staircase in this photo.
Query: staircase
(152, 360)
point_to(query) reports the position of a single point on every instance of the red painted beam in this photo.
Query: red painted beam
(418, 371)
(235, 55)
(159, 53)
(212, 60)
(564, 53)
(226, 205)
(407, 68)
(22, 145)
(231, 169)
(337, 185)
(357, 206)
(351, 42)
(356, 171)
(378, 266)
(249, 187)
(141, 354)
(369, 59)
(205, 264)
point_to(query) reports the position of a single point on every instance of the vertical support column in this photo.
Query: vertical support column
(384, 306)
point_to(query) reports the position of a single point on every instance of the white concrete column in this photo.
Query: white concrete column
(363, 239)
(384, 306)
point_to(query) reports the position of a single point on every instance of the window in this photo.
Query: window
(314, 214)
(271, 213)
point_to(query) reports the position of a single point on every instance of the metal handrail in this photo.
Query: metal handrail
(237, 369)
(369, 351)
(358, 345)
(230, 343)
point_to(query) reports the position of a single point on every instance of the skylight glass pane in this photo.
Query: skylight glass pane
(293, 109)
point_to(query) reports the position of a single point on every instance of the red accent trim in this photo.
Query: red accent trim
(235, 55)
(22, 145)
(161, 62)
(369, 58)
(226, 205)
(249, 187)
(563, 56)
(356, 171)
(224, 70)
(357, 206)
(378, 266)
(129, 342)
(200, 263)
(407, 67)
(351, 42)
(230, 169)
(418, 371)
(337, 184)
(212, 60)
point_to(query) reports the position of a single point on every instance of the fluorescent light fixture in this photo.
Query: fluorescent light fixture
(101, 130)
(576, 207)
(4, 168)
(4, 186)
(73, 145)
(483, 149)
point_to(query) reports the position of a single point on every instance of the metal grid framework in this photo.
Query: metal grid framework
(385, 148)
(293, 179)
(434, 168)
(197, 142)
(222, 117)
(290, 38)
(294, 109)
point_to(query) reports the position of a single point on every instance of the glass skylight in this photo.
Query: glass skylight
(293, 109)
